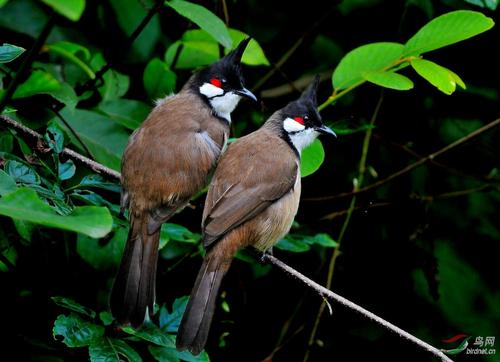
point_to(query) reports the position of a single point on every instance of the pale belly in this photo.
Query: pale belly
(275, 222)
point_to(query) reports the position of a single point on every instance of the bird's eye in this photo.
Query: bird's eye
(306, 117)
(216, 82)
(299, 120)
(224, 81)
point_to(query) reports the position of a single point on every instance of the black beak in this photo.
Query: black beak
(246, 93)
(326, 131)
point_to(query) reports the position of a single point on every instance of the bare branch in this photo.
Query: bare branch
(411, 167)
(37, 137)
(328, 294)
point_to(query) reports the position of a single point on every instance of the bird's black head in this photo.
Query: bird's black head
(301, 120)
(222, 83)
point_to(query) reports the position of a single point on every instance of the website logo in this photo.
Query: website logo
(463, 344)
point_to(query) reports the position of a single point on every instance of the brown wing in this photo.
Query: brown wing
(170, 157)
(254, 172)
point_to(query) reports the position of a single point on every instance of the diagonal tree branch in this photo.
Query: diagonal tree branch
(412, 166)
(322, 291)
(328, 294)
(37, 137)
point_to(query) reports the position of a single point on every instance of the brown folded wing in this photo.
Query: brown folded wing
(255, 171)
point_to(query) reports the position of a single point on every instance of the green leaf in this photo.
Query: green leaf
(91, 198)
(311, 159)
(71, 9)
(115, 84)
(38, 82)
(389, 80)
(375, 57)
(102, 255)
(129, 14)
(66, 170)
(29, 19)
(166, 354)
(97, 181)
(177, 232)
(158, 79)
(489, 4)
(24, 229)
(76, 53)
(292, 244)
(105, 139)
(253, 55)
(76, 331)
(170, 322)
(111, 350)
(9, 52)
(127, 112)
(300, 243)
(6, 142)
(447, 29)
(41, 82)
(346, 127)
(54, 137)
(153, 334)
(440, 77)
(321, 239)
(106, 318)
(193, 54)
(24, 204)
(7, 183)
(204, 18)
(200, 49)
(70, 304)
(21, 172)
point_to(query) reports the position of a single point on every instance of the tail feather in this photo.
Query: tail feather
(195, 324)
(133, 292)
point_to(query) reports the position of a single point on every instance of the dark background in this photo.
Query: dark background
(429, 267)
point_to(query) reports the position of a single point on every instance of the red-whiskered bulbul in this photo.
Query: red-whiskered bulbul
(168, 160)
(252, 201)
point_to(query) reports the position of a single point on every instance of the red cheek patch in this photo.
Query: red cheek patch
(299, 120)
(216, 82)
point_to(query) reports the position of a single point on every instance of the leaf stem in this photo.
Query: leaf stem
(336, 95)
(68, 55)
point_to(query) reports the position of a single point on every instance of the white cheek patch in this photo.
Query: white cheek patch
(290, 125)
(225, 104)
(210, 90)
(303, 139)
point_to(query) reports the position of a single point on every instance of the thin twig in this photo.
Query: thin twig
(425, 198)
(284, 58)
(432, 162)
(328, 294)
(37, 137)
(26, 64)
(336, 252)
(412, 166)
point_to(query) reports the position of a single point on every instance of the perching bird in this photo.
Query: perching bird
(252, 201)
(168, 160)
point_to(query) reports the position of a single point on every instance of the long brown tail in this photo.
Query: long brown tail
(195, 324)
(133, 292)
